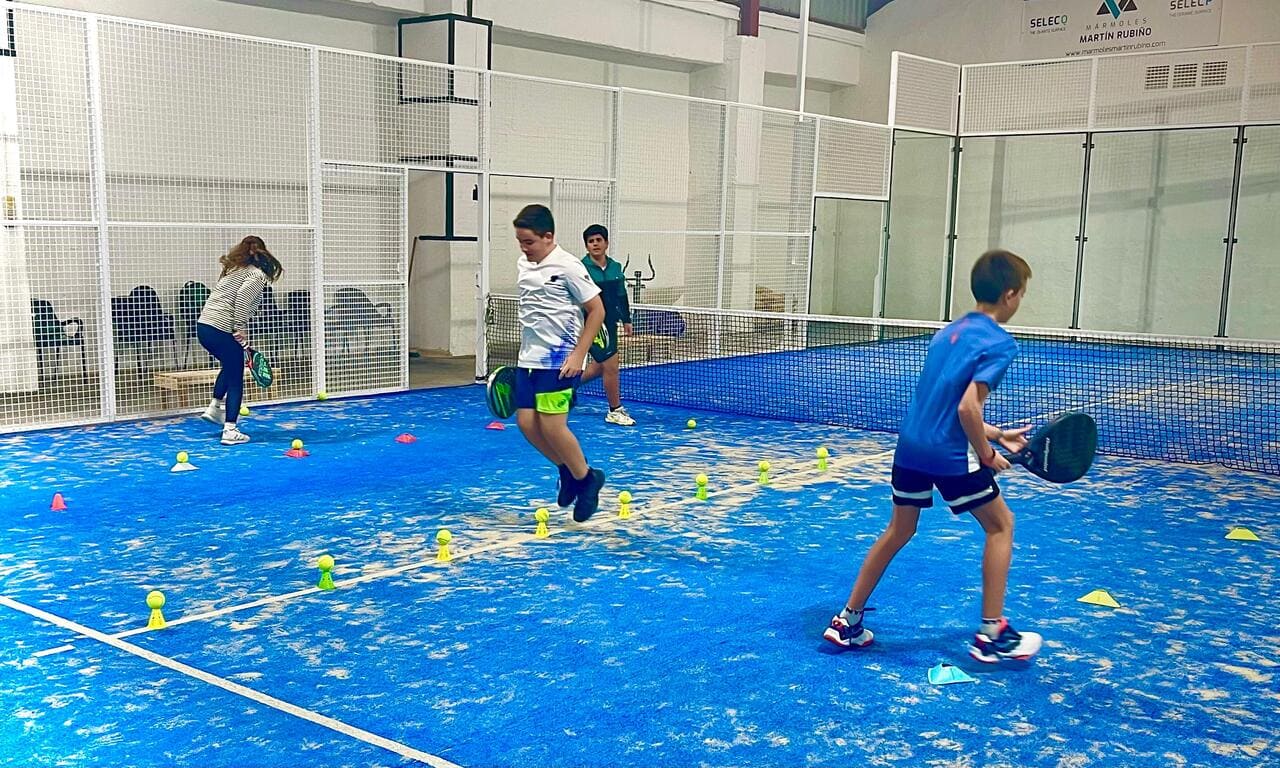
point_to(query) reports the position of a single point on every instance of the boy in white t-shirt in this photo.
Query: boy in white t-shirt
(555, 291)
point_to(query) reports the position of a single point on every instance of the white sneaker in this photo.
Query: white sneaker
(233, 436)
(1008, 644)
(215, 414)
(620, 417)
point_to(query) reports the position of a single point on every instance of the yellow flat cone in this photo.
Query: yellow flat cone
(1099, 597)
(1242, 534)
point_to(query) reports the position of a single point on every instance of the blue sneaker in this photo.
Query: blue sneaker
(845, 635)
(1009, 644)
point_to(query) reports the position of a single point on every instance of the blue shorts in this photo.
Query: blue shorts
(963, 493)
(544, 391)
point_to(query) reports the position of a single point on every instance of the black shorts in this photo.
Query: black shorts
(963, 493)
(605, 344)
(544, 391)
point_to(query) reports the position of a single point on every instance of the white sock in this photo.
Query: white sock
(991, 627)
(215, 403)
(853, 617)
(230, 426)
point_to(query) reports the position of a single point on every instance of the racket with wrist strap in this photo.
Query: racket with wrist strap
(1062, 450)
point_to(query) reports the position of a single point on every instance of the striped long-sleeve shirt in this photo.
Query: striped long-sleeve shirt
(234, 299)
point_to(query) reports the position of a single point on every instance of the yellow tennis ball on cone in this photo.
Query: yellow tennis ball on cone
(296, 445)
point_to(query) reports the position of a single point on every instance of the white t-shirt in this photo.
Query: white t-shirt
(552, 293)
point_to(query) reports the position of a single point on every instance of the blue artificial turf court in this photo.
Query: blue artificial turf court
(687, 635)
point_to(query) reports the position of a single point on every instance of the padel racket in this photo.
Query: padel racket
(1062, 450)
(259, 368)
(500, 392)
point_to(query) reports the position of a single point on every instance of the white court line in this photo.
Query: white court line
(510, 541)
(239, 690)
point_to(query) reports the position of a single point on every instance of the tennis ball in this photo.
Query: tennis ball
(444, 537)
(691, 424)
(624, 497)
(822, 452)
(700, 479)
(155, 599)
(541, 515)
(322, 395)
(764, 466)
(244, 410)
(182, 457)
(325, 562)
(297, 445)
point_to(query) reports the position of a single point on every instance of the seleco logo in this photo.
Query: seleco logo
(1057, 21)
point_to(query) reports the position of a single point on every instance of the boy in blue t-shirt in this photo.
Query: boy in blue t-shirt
(945, 443)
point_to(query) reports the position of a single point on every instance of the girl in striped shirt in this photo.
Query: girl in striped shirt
(223, 327)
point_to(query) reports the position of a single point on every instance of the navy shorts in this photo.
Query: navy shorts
(963, 493)
(544, 391)
(605, 344)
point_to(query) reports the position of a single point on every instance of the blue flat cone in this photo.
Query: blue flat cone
(945, 674)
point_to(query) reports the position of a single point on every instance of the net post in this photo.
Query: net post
(316, 215)
(98, 169)
(483, 233)
(1230, 239)
(1081, 235)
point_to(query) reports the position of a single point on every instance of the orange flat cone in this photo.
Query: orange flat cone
(58, 504)
(406, 438)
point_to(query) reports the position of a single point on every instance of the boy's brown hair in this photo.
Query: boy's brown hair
(995, 273)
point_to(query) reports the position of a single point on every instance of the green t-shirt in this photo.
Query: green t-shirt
(613, 289)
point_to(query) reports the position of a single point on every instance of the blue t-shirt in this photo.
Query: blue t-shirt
(973, 348)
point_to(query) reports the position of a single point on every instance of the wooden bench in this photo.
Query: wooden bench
(181, 383)
(645, 348)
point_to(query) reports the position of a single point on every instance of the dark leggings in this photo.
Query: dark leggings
(230, 383)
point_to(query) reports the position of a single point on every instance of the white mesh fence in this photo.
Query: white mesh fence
(49, 96)
(379, 110)
(1227, 85)
(137, 153)
(1262, 96)
(923, 94)
(1027, 97)
(1201, 87)
(224, 139)
(550, 129)
(853, 159)
(364, 278)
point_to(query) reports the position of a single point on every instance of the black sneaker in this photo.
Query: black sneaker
(588, 495)
(568, 487)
